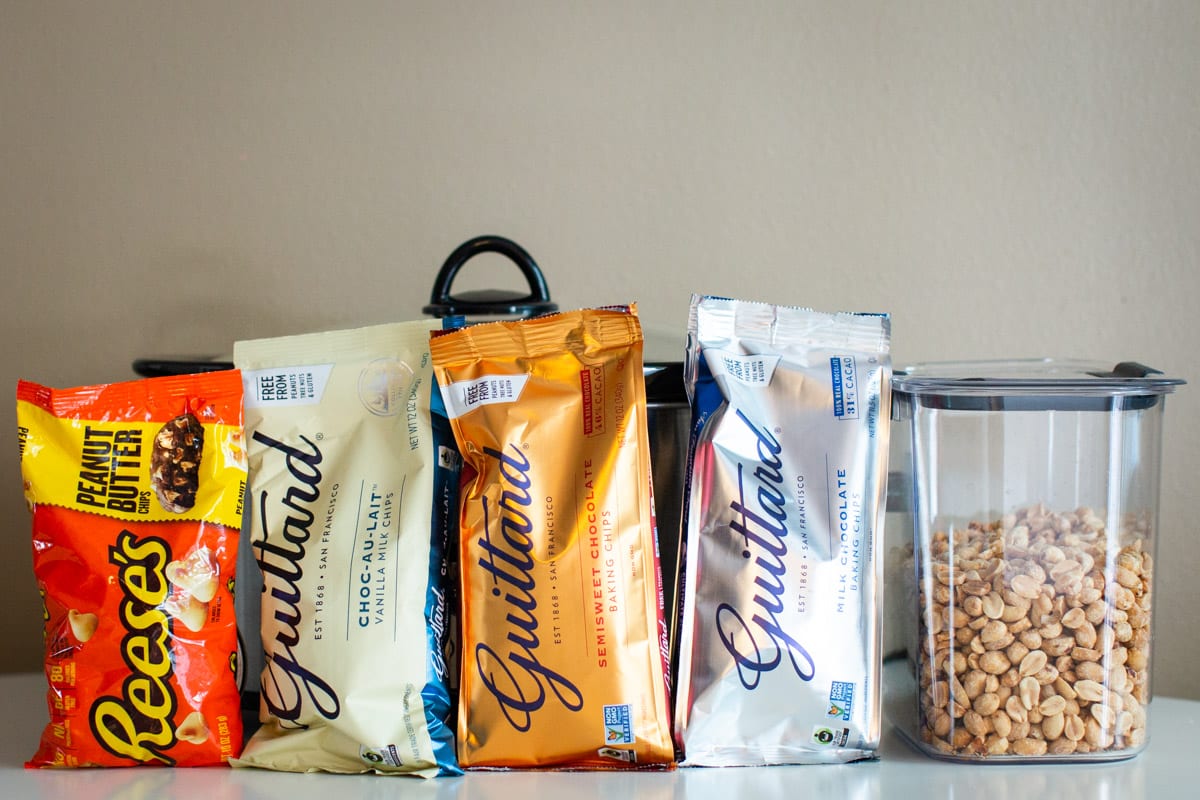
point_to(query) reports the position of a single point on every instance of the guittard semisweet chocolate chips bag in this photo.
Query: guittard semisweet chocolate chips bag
(563, 637)
(778, 649)
(352, 486)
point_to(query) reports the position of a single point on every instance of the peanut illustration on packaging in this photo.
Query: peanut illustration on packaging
(83, 624)
(195, 581)
(193, 729)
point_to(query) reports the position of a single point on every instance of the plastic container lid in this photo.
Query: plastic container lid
(1032, 384)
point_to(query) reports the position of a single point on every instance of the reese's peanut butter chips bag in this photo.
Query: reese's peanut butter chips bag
(562, 638)
(136, 491)
(352, 485)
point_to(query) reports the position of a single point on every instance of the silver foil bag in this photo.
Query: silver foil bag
(778, 646)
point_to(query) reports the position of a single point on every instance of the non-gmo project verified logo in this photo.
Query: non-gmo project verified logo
(617, 726)
(841, 700)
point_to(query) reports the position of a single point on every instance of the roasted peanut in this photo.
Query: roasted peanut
(996, 745)
(976, 723)
(1030, 691)
(1090, 691)
(1061, 747)
(994, 662)
(1053, 705)
(1033, 663)
(1029, 747)
(974, 682)
(1052, 725)
(987, 704)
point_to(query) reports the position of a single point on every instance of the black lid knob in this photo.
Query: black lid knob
(494, 302)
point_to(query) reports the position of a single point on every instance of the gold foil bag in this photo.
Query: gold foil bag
(563, 636)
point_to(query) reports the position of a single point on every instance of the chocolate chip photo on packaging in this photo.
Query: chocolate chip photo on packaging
(175, 463)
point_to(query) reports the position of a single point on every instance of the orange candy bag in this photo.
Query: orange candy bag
(136, 491)
(563, 637)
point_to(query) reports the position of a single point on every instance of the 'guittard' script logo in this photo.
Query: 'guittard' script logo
(285, 681)
(759, 645)
(515, 676)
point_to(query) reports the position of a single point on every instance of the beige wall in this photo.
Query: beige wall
(1007, 179)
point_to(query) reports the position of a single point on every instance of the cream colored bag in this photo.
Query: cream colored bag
(345, 467)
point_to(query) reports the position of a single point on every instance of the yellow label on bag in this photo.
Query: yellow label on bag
(109, 468)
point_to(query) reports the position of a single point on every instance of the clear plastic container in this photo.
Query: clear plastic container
(1035, 491)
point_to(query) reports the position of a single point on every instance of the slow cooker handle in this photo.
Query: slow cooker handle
(489, 301)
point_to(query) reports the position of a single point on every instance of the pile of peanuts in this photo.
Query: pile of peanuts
(1035, 636)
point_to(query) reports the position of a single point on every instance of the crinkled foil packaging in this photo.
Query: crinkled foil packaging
(778, 646)
(563, 637)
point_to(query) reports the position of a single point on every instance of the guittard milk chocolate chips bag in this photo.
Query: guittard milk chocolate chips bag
(351, 495)
(136, 490)
(778, 648)
(563, 637)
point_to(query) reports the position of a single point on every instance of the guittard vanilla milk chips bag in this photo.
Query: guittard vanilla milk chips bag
(350, 503)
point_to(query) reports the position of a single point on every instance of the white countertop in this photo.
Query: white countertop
(1164, 769)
